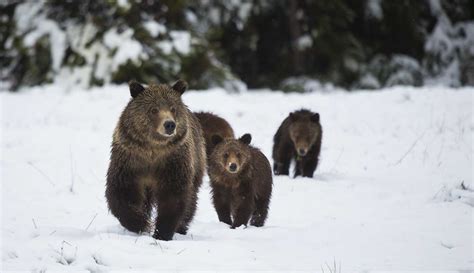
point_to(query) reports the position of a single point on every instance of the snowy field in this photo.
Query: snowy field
(393, 190)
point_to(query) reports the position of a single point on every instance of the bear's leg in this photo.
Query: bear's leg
(309, 166)
(189, 214)
(221, 199)
(281, 168)
(171, 207)
(131, 207)
(173, 195)
(244, 207)
(282, 161)
(298, 167)
(261, 211)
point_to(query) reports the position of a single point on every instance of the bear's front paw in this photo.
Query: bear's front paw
(162, 237)
(226, 221)
(182, 230)
(234, 226)
(279, 169)
(256, 222)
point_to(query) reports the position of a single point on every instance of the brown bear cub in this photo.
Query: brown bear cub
(213, 125)
(241, 181)
(158, 160)
(299, 138)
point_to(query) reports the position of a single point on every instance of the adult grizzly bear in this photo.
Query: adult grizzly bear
(241, 181)
(299, 138)
(213, 125)
(157, 159)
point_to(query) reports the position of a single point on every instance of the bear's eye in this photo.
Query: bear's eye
(238, 155)
(226, 155)
(173, 110)
(154, 111)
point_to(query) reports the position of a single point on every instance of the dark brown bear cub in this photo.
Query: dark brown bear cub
(241, 181)
(158, 159)
(299, 138)
(213, 125)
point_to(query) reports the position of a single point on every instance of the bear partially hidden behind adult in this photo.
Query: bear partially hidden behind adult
(158, 159)
(298, 138)
(211, 125)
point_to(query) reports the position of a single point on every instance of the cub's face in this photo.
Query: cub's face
(232, 155)
(157, 111)
(304, 131)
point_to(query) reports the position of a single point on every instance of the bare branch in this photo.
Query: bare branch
(41, 172)
(91, 221)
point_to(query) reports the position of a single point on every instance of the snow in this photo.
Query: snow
(369, 81)
(435, 7)
(154, 28)
(31, 21)
(124, 4)
(304, 42)
(307, 84)
(387, 195)
(244, 11)
(127, 47)
(26, 14)
(181, 41)
(447, 47)
(406, 69)
(374, 9)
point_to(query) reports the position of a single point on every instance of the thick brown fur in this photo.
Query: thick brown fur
(298, 138)
(212, 124)
(241, 193)
(149, 168)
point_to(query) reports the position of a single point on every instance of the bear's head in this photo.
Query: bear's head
(156, 113)
(304, 130)
(232, 155)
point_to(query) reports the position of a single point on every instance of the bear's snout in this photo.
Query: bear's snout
(302, 151)
(169, 126)
(232, 167)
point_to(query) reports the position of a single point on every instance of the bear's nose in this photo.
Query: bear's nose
(302, 152)
(169, 127)
(233, 167)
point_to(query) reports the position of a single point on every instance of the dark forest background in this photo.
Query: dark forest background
(280, 44)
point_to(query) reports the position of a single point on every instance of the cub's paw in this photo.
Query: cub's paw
(182, 230)
(162, 237)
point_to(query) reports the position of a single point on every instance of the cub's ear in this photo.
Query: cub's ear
(180, 86)
(246, 139)
(216, 139)
(315, 117)
(135, 88)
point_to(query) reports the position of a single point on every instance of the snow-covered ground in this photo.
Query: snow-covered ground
(386, 196)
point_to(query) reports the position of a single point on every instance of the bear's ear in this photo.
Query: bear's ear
(246, 139)
(292, 116)
(180, 86)
(315, 117)
(135, 88)
(216, 139)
